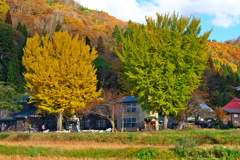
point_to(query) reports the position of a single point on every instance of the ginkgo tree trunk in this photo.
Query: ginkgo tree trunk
(59, 73)
(163, 61)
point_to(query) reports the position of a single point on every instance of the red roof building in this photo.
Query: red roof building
(233, 104)
(233, 111)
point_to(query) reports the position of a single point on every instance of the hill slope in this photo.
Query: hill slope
(42, 16)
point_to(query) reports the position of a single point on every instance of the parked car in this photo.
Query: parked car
(174, 125)
(205, 124)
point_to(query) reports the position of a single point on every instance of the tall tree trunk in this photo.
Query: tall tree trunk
(165, 120)
(196, 117)
(112, 121)
(113, 124)
(180, 124)
(59, 121)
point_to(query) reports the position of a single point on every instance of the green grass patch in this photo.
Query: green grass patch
(18, 137)
(4, 135)
(168, 137)
(127, 153)
(211, 153)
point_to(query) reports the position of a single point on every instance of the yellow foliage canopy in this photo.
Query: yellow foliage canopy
(59, 72)
(99, 28)
(3, 7)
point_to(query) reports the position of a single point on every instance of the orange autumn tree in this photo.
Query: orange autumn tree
(220, 113)
(59, 73)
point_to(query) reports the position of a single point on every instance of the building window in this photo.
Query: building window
(236, 123)
(130, 107)
(235, 115)
(101, 123)
(87, 123)
(130, 122)
(82, 124)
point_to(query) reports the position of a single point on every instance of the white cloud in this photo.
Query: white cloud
(226, 13)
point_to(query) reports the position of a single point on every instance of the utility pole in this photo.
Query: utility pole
(123, 110)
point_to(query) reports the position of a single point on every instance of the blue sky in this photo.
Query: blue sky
(221, 15)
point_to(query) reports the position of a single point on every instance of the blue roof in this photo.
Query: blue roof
(24, 114)
(204, 106)
(128, 99)
(25, 97)
(236, 88)
(8, 118)
(231, 110)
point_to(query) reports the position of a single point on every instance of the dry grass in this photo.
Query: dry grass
(77, 145)
(206, 146)
(4, 157)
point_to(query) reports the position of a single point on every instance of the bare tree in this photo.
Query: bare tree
(106, 107)
(194, 109)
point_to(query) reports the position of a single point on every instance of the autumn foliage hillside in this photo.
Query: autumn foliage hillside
(225, 57)
(42, 16)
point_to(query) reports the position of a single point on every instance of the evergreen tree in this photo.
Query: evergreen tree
(44, 33)
(7, 48)
(8, 19)
(10, 73)
(58, 27)
(100, 45)
(128, 32)
(59, 73)
(10, 57)
(9, 97)
(14, 72)
(163, 62)
(19, 26)
(23, 29)
(116, 33)
(88, 42)
(100, 63)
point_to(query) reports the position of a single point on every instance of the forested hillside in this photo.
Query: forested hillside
(222, 73)
(20, 19)
(42, 16)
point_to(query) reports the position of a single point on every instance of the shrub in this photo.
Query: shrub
(206, 138)
(145, 153)
(19, 137)
(183, 144)
(213, 153)
(4, 135)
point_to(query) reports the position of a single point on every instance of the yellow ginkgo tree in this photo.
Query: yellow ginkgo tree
(59, 73)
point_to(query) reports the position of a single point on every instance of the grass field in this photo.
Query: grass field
(169, 144)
